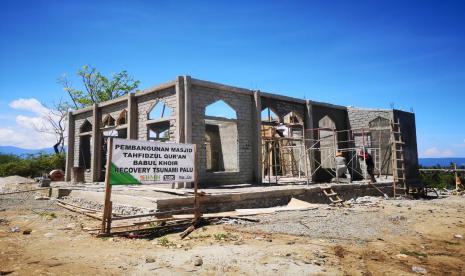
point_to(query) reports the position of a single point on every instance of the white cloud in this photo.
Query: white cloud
(435, 152)
(25, 138)
(30, 104)
(25, 133)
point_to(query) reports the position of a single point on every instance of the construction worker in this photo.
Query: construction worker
(370, 165)
(282, 130)
(341, 167)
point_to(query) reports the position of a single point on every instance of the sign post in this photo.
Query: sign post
(107, 210)
(137, 162)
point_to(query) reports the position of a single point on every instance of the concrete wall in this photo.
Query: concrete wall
(409, 137)
(202, 96)
(187, 98)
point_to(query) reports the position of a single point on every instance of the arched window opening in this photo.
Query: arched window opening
(108, 121)
(159, 111)
(85, 127)
(269, 116)
(122, 118)
(220, 109)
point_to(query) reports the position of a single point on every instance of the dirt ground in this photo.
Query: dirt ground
(387, 237)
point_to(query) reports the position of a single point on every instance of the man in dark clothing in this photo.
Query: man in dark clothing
(365, 156)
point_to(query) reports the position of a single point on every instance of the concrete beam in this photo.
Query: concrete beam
(187, 110)
(180, 127)
(132, 116)
(70, 151)
(95, 163)
(257, 143)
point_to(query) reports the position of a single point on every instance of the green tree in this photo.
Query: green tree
(97, 88)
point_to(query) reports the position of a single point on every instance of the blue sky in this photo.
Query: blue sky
(359, 53)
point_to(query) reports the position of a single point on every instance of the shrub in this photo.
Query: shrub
(30, 165)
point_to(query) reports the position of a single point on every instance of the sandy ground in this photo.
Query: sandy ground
(385, 237)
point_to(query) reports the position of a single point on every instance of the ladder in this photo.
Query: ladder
(397, 161)
(333, 196)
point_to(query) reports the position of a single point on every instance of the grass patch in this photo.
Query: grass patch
(165, 242)
(48, 215)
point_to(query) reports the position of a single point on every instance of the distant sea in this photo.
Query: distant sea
(443, 162)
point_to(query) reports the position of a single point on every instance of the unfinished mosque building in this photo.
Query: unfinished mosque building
(245, 136)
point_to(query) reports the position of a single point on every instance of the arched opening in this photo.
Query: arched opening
(122, 118)
(85, 127)
(160, 110)
(108, 121)
(221, 137)
(269, 116)
(85, 145)
(220, 109)
(328, 142)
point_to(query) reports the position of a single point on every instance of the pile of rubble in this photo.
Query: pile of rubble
(365, 201)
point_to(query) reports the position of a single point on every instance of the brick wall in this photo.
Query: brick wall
(243, 105)
(145, 104)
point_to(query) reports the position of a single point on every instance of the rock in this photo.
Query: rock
(419, 269)
(49, 235)
(401, 256)
(27, 231)
(458, 237)
(149, 260)
(197, 261)
(14, 229)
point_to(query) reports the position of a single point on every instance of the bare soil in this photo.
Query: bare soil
(386, 238)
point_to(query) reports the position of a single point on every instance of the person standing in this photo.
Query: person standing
(370, 165)
(341, 167)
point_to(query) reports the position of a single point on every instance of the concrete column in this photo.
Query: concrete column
(187, 110)
(309, 135)
(70, 151)
(180, 132)
(257, 142)
(95, 163)
(132, 116)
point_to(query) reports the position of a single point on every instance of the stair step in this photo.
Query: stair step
(331, 194)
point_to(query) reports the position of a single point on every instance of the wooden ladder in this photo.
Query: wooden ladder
(333, 196)
(398, 162)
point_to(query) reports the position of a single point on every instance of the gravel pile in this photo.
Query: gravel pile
(120, 209)
(332, 223)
